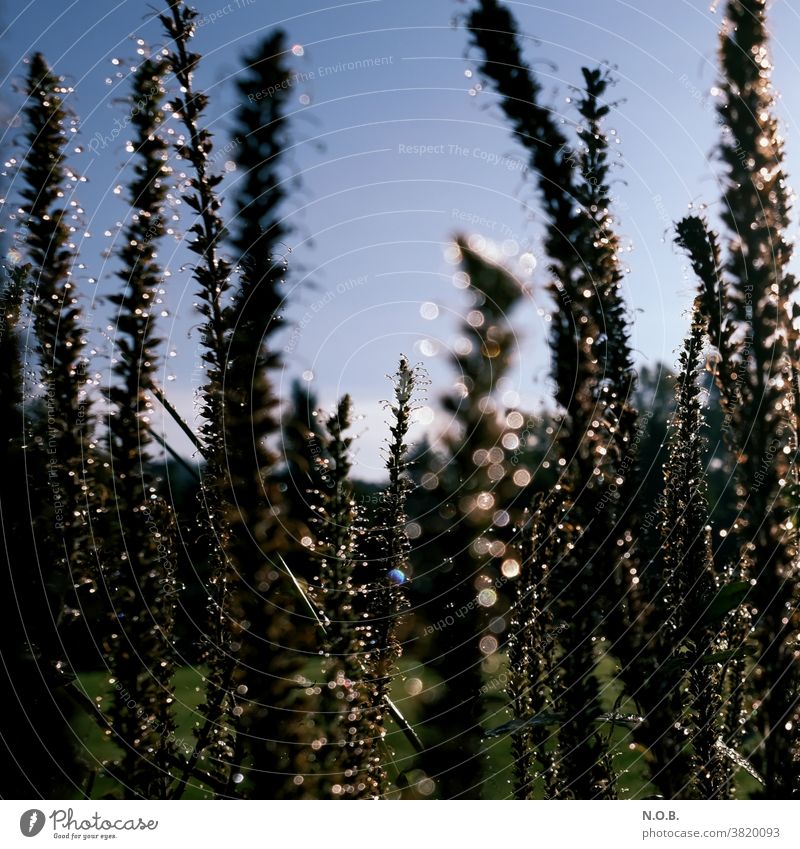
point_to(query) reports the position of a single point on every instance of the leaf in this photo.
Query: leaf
(738, 759)
(725, 656)
(616, 718)
(718, 657)
(302, 593)
(674, 664)
(405, 726)
(727, 599)
(516, 724)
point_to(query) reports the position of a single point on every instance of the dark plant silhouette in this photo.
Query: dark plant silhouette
(276, 642)
(38, 753)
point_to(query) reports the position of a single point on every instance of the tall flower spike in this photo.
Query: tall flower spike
(701, 245)
(342, 748)
(216, 732)
(755, 215)
(388, 572)
(580, 243)
(494, 31)
(532, 651)
(57, 327)
(602, 469)
(140, 577)
(682, 693)
(59, 441)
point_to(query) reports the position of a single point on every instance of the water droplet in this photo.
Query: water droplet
(429, 311)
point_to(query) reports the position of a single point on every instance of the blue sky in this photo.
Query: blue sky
(377, 81)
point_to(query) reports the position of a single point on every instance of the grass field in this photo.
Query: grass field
(413, 688)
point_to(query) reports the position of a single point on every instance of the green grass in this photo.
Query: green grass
(99, 748)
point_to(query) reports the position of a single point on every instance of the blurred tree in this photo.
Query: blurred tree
(474, 485)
